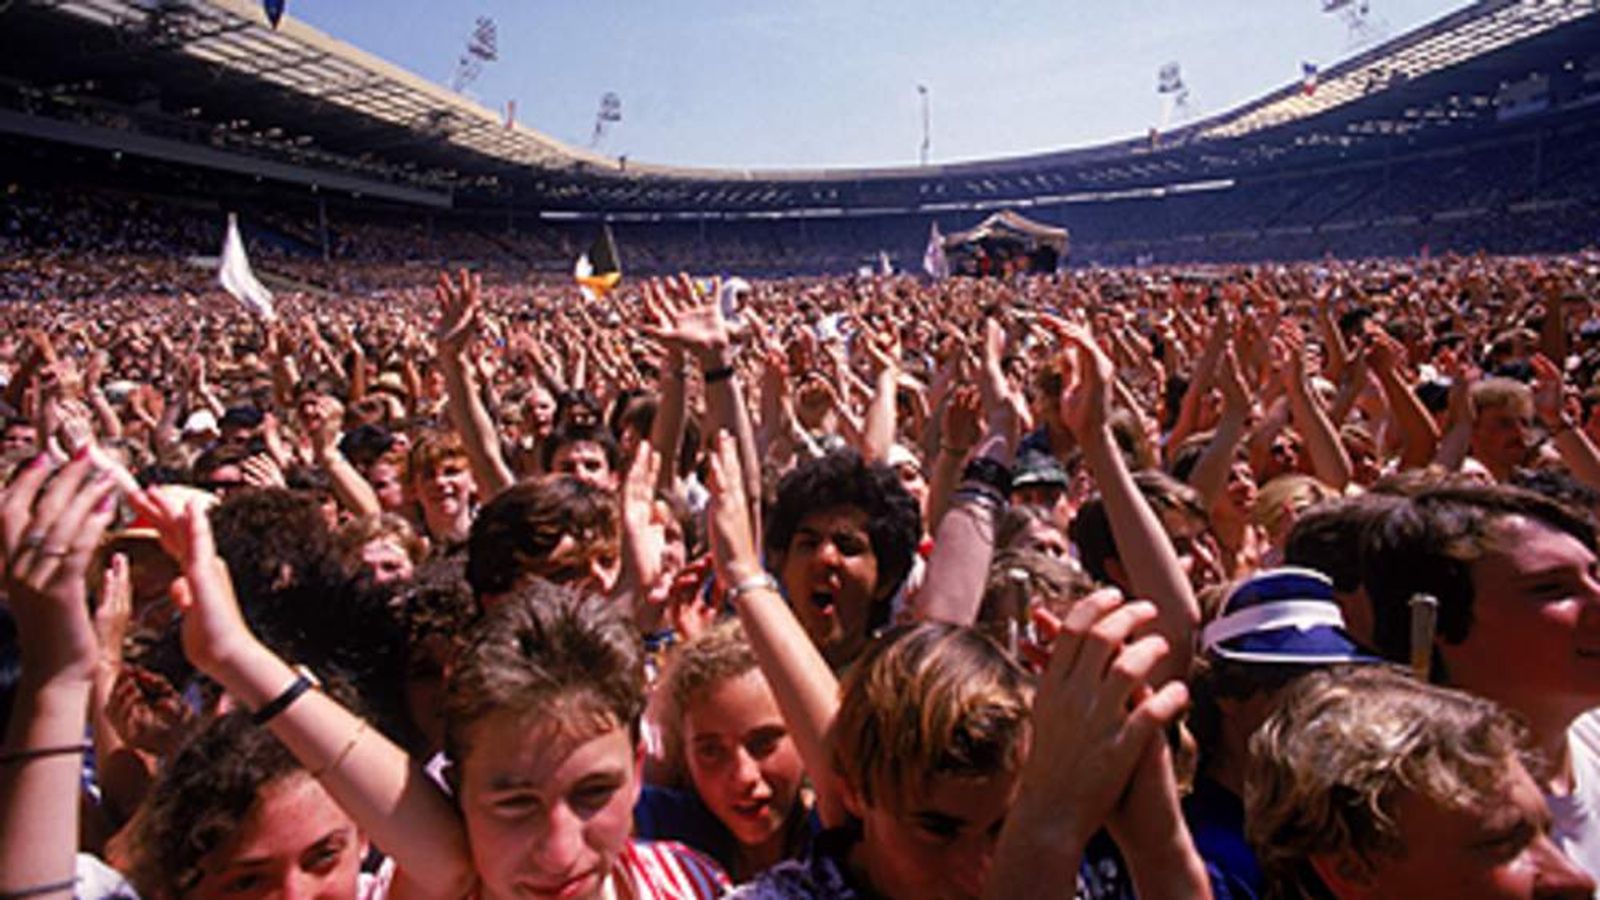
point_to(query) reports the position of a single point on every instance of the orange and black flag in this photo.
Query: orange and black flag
(599, 269)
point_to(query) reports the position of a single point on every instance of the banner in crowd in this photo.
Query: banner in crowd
(236, 277)
(598, 269)
(934, 262)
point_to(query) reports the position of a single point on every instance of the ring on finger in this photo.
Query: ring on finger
(54, 552)
(32, 540)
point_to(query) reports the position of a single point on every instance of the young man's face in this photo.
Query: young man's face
(1500, 436)
(830, 574)
(547, 814)
(1499, 849)
(940, 845)
(1535, 639)
(445, 489)
(585, 461)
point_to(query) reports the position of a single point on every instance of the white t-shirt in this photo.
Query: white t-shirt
(1577, 815)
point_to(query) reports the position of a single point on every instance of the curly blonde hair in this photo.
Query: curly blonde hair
(1328, 769)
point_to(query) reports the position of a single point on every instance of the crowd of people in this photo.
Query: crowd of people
(1235, 581)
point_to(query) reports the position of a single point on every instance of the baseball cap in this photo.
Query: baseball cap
(1282, 616)
(1034, 469)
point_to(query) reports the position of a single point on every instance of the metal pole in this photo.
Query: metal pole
(927, 139)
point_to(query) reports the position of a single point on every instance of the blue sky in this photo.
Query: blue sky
(804, 83)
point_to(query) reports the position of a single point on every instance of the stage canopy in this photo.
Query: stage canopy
(1005, 241)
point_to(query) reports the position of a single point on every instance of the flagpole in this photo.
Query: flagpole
(927, 139)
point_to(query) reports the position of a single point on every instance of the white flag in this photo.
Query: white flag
(236, 277)
(885, 268)
(934, 262)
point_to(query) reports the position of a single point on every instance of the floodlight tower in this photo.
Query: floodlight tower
(1362, 25)
(610, 112)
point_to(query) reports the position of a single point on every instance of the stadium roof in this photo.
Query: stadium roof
(214, 74)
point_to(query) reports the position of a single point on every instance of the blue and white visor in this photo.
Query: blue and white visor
(1284, 616)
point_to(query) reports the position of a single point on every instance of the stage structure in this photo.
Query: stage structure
(1005, 243)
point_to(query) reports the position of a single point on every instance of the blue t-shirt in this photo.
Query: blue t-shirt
(667, 814)
(1216, 820)
(824, 873)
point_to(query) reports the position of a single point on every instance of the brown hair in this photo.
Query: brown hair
(430, 451)
(720, 654)
(516, 534)
(1328, 768)
(565, 655)
(925, 701)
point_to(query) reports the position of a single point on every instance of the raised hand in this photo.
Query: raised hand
(1095, 714)
(48, 532)
(1086, 394)
(733, 545)
(678, 316)
(460, 314)
(214, 630)
(262, 472)
(963, 420)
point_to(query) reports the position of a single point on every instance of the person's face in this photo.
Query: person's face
(224, 479)
(741, 759)
(238, 437)
(1052, 498)
(1500, 436)
(913, 480)
(1498, 849)
(445, 491)
(1241, 488)
(1535, 639)
(389, 484)
(541, 413)
(1283, 457)
(546, 813)
(830, 574)
(1043, 537)
(585, 461)
(294, 842)
(1196, 548)
(941, 844)
(17, 437)
(385, 561)
(586, 563)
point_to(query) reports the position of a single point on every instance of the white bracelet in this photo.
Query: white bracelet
(764, 581)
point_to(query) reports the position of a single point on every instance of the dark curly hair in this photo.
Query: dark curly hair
(844, 479)
(565, 653)
(516, 533)
(199, 800)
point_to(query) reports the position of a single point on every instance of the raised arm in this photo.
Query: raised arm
(805, 688)
(1147, 555)
(1419, 434)
(1559, 414)
(694, 324)
(398, 806)
(47, 536)
(459, 319)
(963, 546)
(1098, 759)
(1329, 460)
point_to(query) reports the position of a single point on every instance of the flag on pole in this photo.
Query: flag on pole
(1308, 78)
(236, 277)
(274, 11)
(598, 269)
(934, 262)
